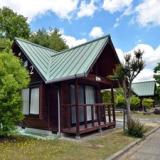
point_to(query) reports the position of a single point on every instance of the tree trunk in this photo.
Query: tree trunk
(127, 94)
(129, 118)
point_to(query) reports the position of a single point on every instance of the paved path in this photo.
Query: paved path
(119, 121)
(149, 149)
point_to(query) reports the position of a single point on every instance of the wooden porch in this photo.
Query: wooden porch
(90, 114)
(102, 117)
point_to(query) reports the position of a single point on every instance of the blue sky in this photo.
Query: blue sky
(132, 24)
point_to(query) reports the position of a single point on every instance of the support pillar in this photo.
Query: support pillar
(113, 104)
(77, 109)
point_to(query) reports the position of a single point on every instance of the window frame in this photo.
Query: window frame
(31, 114)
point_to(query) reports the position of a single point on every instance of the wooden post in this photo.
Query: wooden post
(104, 108)
(92, 112)
(85, 116)
(141, 104)
(109, 114)
(98, 114)
(77, 109)
(113, 106)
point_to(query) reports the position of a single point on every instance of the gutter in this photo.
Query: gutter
(67, 78)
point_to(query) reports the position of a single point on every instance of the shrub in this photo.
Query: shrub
(120, 101)
(156, 111)
(135, 102)
(148, 103)
(13, 78)
(136, 129)
(106, 95)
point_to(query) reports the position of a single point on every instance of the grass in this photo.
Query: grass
(97, 148)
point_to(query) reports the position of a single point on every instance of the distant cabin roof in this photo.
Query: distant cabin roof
(144, 88)
(68, 64)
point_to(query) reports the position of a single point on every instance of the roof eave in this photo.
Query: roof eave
(66, 78)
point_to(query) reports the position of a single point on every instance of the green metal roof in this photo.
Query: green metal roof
(144, 88)
(71, 63)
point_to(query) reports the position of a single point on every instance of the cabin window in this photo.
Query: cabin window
(25, 98)
(30, 101)
(34, 103)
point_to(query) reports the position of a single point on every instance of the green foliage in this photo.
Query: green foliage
(157, 78)
(13, 25)
(5, 45)
(147, 103)
(157, 70)
(136, 129)
(13, 77)
(135, 102)
(106, 96)
(50, 39)
(120, 101)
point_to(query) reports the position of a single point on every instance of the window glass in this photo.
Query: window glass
(25, 98)
(72, 94)
(90, 99)
(34, 104)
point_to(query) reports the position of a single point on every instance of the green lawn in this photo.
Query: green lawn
(24, 148)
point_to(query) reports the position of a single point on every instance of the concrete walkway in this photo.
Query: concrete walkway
(149, 149)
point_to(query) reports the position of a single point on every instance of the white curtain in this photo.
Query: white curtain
(34, 106)
(90, 99)
(73, 109)
(81, 101)
(25, 98)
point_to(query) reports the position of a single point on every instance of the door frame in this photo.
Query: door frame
(84, 94)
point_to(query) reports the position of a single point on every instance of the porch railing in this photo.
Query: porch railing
(101, 114)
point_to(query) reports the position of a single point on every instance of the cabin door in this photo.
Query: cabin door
(90, 99)
(86, 96)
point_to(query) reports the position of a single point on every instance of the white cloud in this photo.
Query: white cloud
(148, 12)
(87, 9)
(34, 8)
(96, 32)
(72, 41)
(145, 75)
(116, 5)
(151, 57)
(120, 54)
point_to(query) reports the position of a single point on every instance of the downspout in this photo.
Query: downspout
(59, 113)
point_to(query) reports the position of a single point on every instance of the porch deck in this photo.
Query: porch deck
(102, 116)
(90, 128)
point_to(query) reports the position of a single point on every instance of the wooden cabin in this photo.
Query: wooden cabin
(64, 95)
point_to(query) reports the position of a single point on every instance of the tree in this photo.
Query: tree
(5, 45)
(125, 74)
(50, 39)
(13, 25)
(157, 78)
(106, 96)
(13, 78)
(135, 102)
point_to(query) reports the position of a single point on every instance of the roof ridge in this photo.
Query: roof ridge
(24, 40)
(61, 52)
